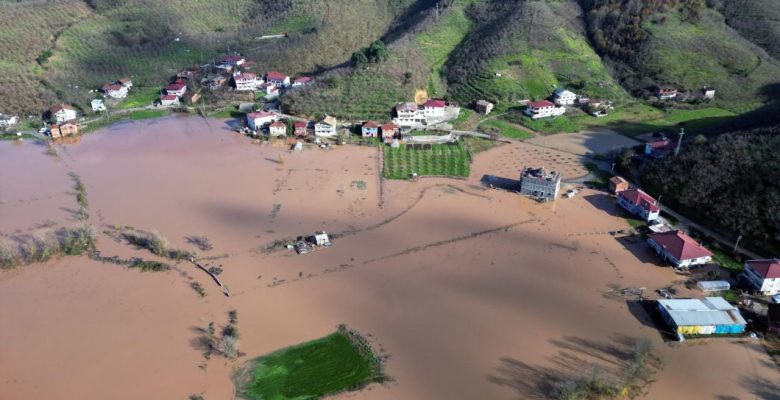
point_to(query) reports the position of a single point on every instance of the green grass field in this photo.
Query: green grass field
(140, 97)
(434, 160)
(506, 129)
(292, 24)
(309, 370)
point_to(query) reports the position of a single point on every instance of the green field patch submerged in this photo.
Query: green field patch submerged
(342, 361)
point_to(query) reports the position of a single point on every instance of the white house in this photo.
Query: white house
(246, 81)
(433, 108)
(277, 78)
(8, 120)
(234, 60)
(678, 248)
(764, 275)
(708, 93)
(408, 115)
(277, 128)
(126, 82)
(177, 89)
(543, 109)
(97, 105)
(257, 120)
(302, 81)
(639, 203)
(114, 90)
(563, 97)
(62, 112)
(326, 127)
(169, 100)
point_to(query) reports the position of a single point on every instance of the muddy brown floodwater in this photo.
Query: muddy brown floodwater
(473, 293)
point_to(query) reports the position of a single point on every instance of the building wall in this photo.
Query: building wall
(767, 287)
(539, 187)
(324, 130)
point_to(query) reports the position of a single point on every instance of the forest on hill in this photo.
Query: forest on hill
(733, 181)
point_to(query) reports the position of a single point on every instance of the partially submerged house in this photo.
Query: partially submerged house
(408, 115)
(639, 203)
(540, 183)
(326, 127)
(257, 120)
(710, 316)
(300, 128)
(679, 249)
(763, 275)
(543, 109)
(369, 129)
(62, 112)
(64, 129)
(277, 128)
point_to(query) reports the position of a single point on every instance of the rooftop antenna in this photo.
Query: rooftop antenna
(679, 142)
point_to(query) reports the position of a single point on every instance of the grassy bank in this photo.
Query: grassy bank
(428, 160)
(321, 367)
(506, 129)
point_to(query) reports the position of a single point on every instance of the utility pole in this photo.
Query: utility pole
(679, 142)
(437, 10)
(737, 243)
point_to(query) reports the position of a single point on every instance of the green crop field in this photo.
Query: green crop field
(309, 370)
(140, 97)
(427, 160)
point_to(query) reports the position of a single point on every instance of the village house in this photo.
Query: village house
(303, 81)
(708, 93)
(540, 183)
(224, 69)
(246, 81)
(62, 112)
(408, 115)
(97, 105)
(711, 316)
(658, 147)
(187, 74)
(639, 203)
(176, 88)
(169, 100)
(617, 184)
(300, 128)
(764, 275)
(257, 120)
(665, 92)
(114, 90)
(326, 127)
(8, 120)
(484, 107)
(389, 132)
(65, 129)
(679, 249)
(434, 108)
(234, 60)
(563, 97)
(543, 109)
(215, 82)
(126, 82)
(277, 78)
(277, 128)
(369, 129)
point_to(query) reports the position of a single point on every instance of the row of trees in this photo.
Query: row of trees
(733, 180)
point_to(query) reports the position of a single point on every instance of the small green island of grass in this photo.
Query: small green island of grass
(342, 361)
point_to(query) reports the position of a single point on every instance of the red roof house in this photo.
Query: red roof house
(540, 104)
(639, 203)
(176, 88)
(679, 248)
(767, 269)
(433, 103)
(764, 275)
(300, 128)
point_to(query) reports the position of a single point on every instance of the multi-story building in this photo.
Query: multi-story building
(639, 203)
(563, 97)
(326, 127)
(678, 249)
(540, 183)
(246, 81)
(543, 109)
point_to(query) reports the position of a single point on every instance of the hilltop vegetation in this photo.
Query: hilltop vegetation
(732, 181)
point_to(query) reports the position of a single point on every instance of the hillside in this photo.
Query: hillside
(463, 50)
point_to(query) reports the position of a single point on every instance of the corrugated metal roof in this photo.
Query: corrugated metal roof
(695, 312)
